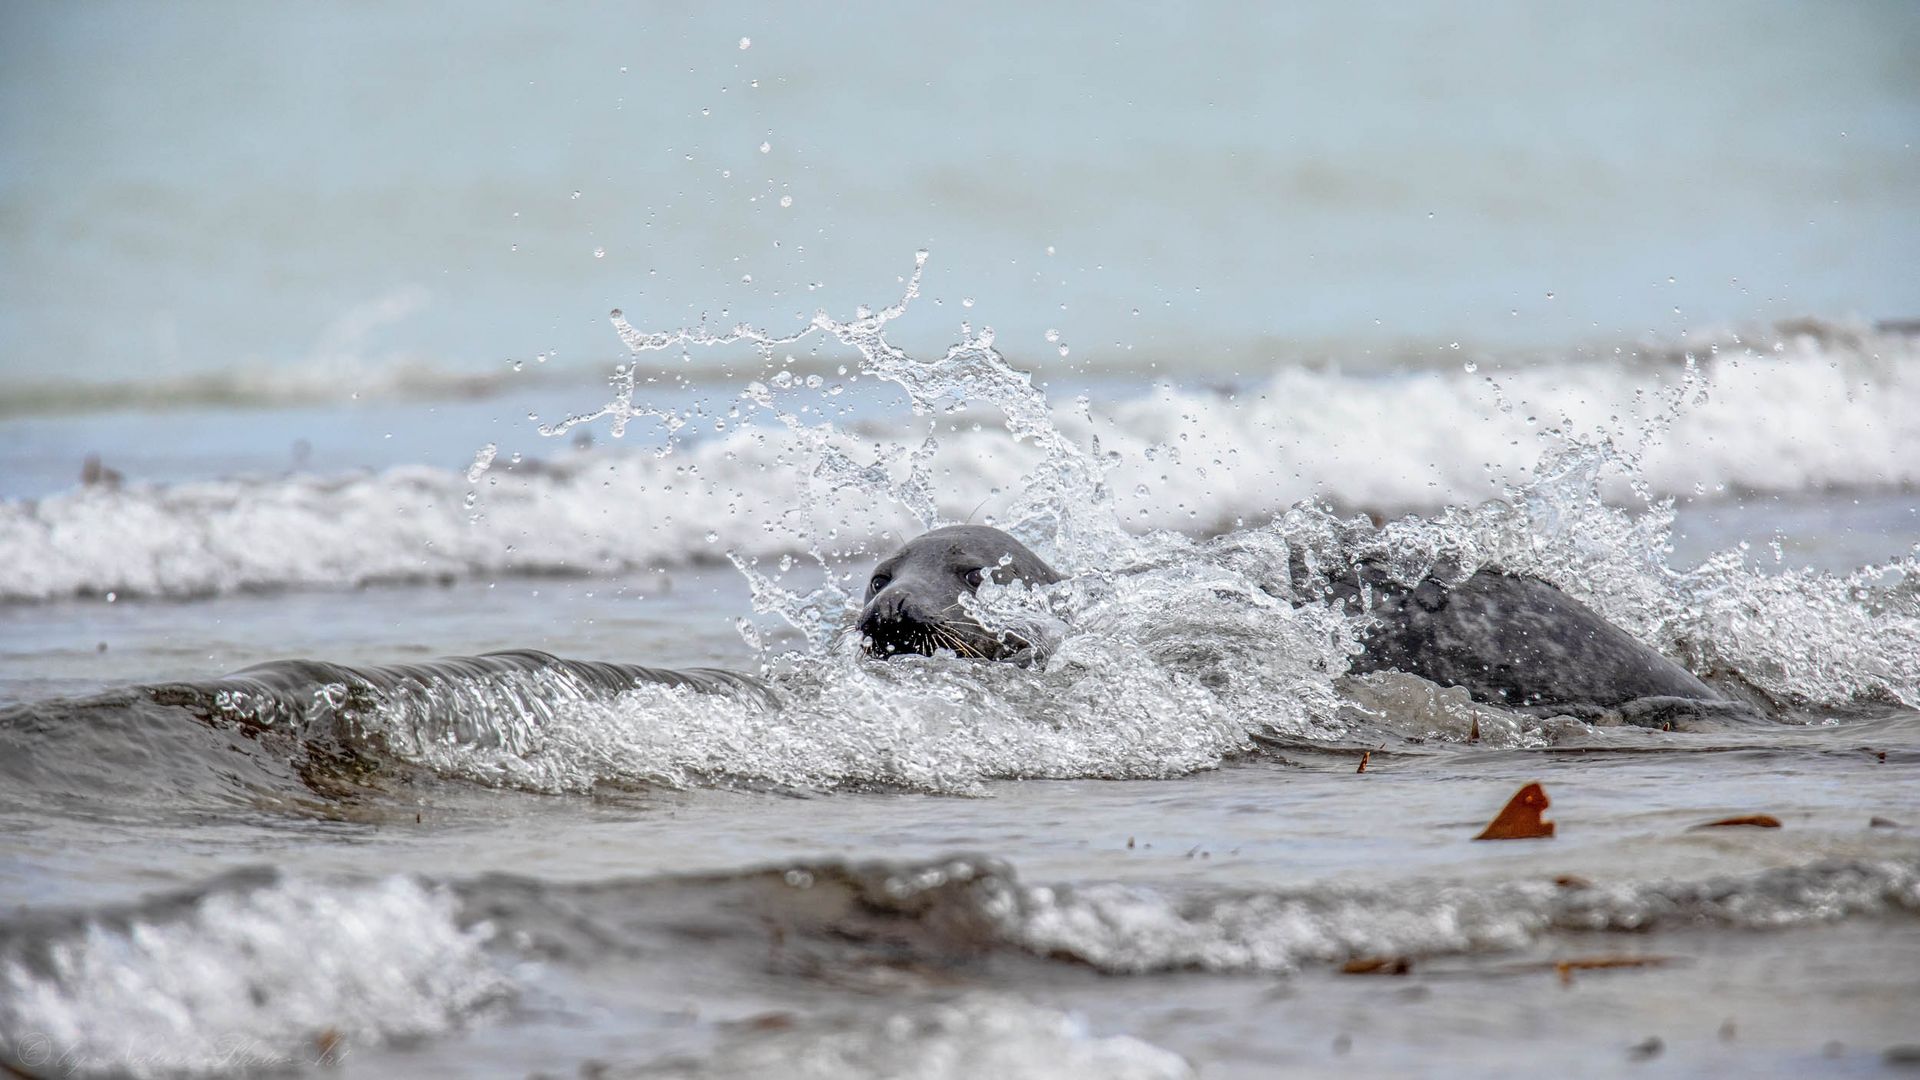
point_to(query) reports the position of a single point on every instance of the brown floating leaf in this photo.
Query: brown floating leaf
(1758, 821)
(327, 1043)
(768, 1021)
(1365, 756)
(1572, 881)
(1377, 965)
(1520, 820)
(1878, 822)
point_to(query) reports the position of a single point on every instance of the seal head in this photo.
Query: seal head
(913, 598)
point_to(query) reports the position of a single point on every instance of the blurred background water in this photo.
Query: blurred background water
(195, 187)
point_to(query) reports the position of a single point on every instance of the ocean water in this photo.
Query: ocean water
(1154, 854)
(371, 337)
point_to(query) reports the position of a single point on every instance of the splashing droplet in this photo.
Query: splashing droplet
(746, 43)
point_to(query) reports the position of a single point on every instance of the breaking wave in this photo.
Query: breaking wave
(253, 973)
(259, 971)
(1814, 407)
(1164, 652)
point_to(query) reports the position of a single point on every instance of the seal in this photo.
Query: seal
(913, 598)
(1520, 642)
(1509, 639)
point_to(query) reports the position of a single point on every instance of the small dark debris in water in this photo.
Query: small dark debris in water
(1878, 822)
(1728, 1030)
(1342, 1043)
(1646, 1051)
(94, 474)
(416, 817)
(1906, 1056)
(1473, 733)
(101, 647)
(327, 1044)
(1129, 843)
(1757, 821)
(769, 1021)
(1365, 756)
(1377, 965)
(1520, 819)
(1880, 756)
(1666, 725)
(1572, 881)
(1566, 968)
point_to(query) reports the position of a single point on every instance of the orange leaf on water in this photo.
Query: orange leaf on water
(1758, 821)
(1520, 820)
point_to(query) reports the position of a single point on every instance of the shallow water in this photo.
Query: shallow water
(1152, 853)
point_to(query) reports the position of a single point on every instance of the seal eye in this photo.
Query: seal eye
(975, 577)
(879, 582)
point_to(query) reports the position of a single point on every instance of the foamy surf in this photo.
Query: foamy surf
(260, 971)
(1802, 412)
(251, 974)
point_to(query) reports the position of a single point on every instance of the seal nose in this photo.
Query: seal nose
(893, 623)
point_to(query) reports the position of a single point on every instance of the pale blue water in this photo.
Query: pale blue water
(289, 272)
(212, 186)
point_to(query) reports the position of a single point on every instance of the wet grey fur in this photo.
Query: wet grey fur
(913, 596)
(1518, 641)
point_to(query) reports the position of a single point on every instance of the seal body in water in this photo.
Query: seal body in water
(1517, 641)
(1508, 639)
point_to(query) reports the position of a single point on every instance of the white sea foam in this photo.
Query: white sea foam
(244, 979)
(976, 1036)
(1139, 928)
(1806, 411)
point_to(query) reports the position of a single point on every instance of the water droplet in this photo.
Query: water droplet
(786, 200)
(600, 253)
(746, 279)
(1549, 296)
(712, 536)
(766, 147)
(575, 195)
(746, 43)
(966, 301)
(1471, 366)
(1053, 335)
